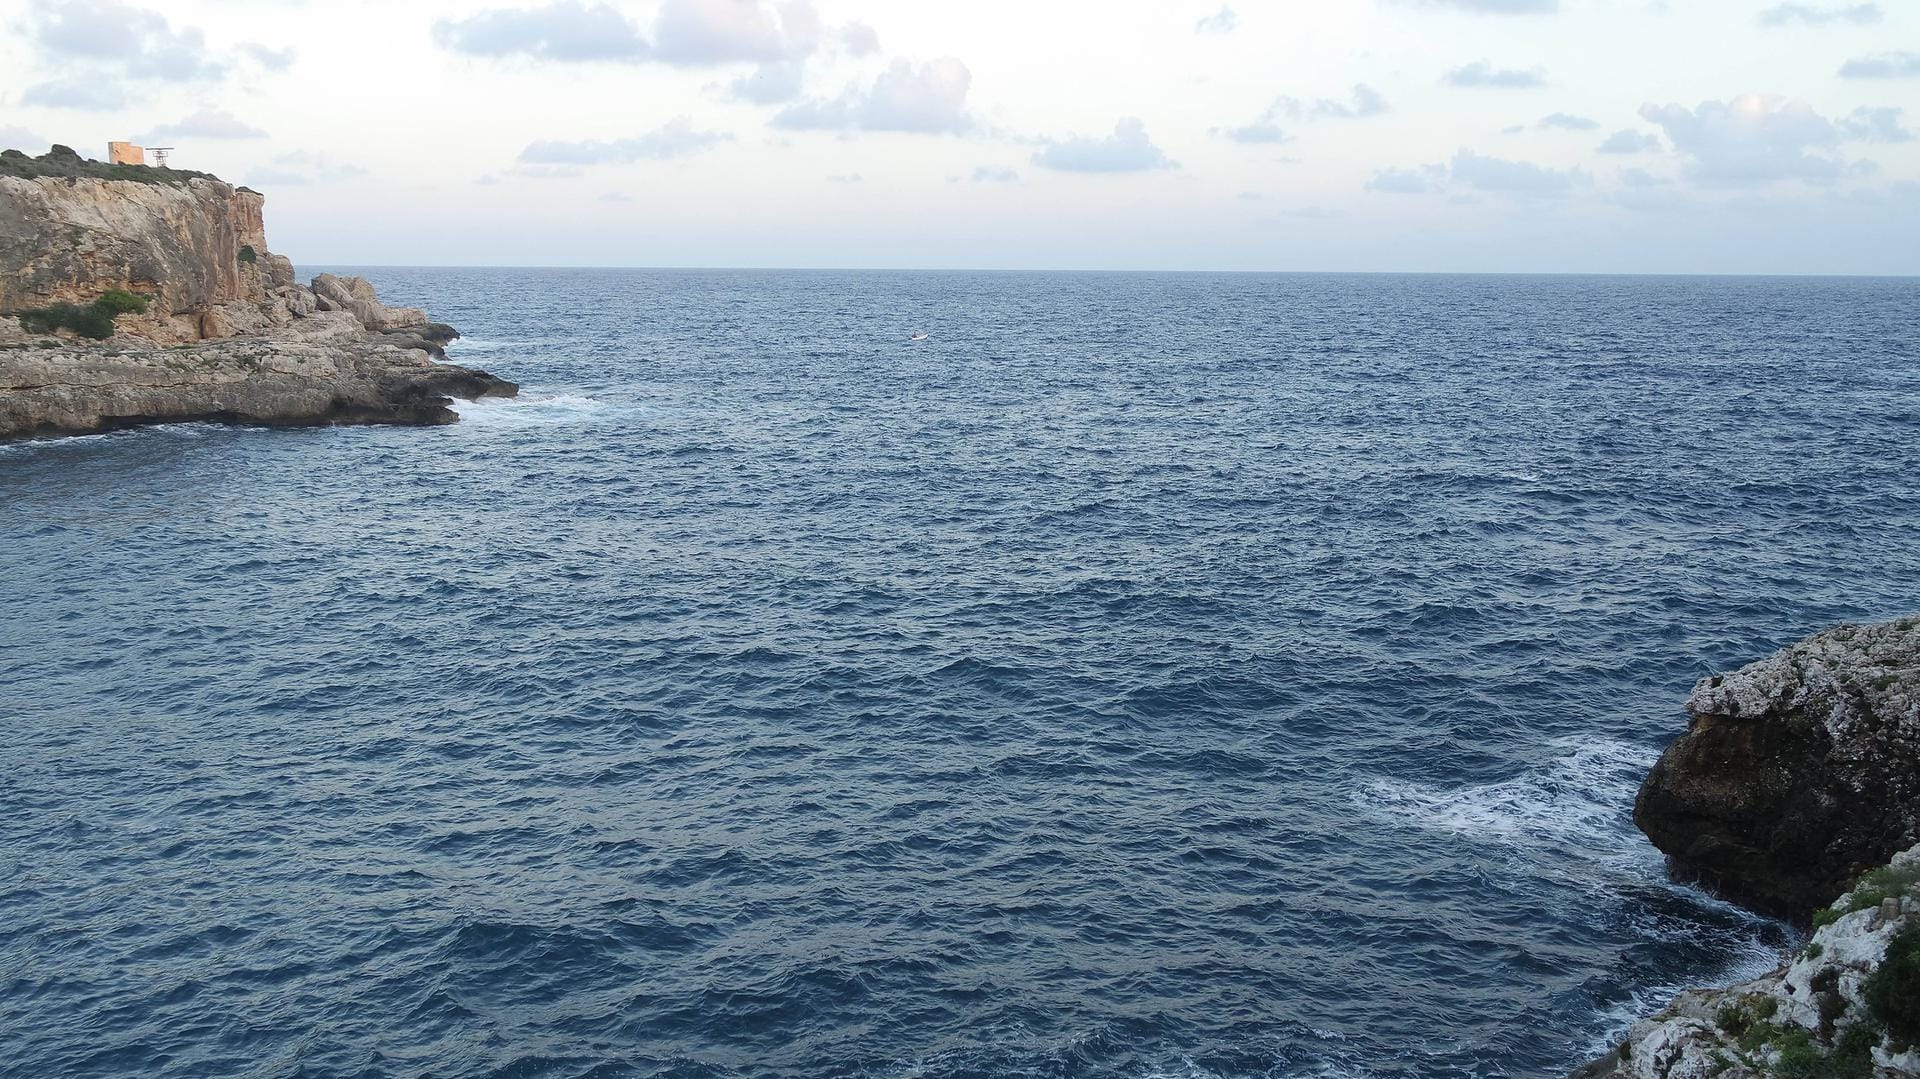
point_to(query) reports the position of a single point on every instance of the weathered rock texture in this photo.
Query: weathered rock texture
(1819, 1015)
(1798, 772)
(228, 335)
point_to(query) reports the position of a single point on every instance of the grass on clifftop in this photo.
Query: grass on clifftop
(62, 162)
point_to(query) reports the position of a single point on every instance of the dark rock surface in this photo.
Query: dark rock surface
(1798, 772)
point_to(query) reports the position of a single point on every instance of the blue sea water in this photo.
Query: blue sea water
(1146, 675)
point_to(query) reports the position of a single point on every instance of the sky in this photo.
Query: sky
(1638, 136)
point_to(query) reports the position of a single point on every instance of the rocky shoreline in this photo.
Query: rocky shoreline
(141, 296)
(1796, 791)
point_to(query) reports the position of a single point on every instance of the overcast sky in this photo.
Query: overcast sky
(1509, 135)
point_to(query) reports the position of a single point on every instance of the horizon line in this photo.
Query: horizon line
(1794, 275)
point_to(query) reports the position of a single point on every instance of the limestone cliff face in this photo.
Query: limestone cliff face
(227, 336)
(68, 239)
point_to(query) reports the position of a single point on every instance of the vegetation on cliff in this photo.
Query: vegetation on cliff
(94, 320)
(64, 162)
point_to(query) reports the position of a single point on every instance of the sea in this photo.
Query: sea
(1143, 675)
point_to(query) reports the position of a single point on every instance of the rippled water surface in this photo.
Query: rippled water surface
(1143, 676)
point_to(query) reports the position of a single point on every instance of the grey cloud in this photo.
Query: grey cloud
(1870, 124)
(1753, 139)
(1224, 21)
(566, 30)
(1500, 176)
(1128, 149)
(92, 95)
(677, 138)
(141, 43)
(930, 98)
(1801, 14)
(1886, 65)
(1567, 122)
(1626, 141)
(1480, 73)
(205, 124)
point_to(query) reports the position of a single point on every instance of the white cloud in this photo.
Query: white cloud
(1803, 15)
(1562, 121)
(1266, 128)
(1628, 141)
(19, 138)
(1752, 139)
(930, 98)
(770, 84)
(302, 168)
(1481, 74)
(1420, 181)
(1128, 149)
(565, 30)
(991, 174)
(1224, 21)
(204, 124)
(1870, 124)
(1495, 7)
(676, 138)
(1500, 176)
(1886, 65)
(704, 32)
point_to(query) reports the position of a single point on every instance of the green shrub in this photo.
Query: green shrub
(94, 321)
(1893, 991)
(248, 255)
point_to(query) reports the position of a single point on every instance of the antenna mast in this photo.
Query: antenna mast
(160, 155)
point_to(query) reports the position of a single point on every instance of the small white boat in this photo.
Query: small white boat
(919, 337)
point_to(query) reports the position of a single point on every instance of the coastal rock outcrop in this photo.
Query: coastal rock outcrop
(1848, 1005)
(1798, 772)
(139, 295)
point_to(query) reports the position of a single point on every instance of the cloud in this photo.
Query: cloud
(141, 43)
(1627, 141)
(930, 98)
(204, 124)
(1491, 175)
(1638, 177)
(1886, 65)
(676, 138)
(770, 84)
(1500, 176)
(1481, 74)
(1365, 101)
(566, 30)
(93, 95)
(990, 174)
(269, 59)
(686, 33)
(1128, 149)
(1568, 122)
(1870, 124)
(1801, 14)
(1419, 181)
(1494, 7)
(1224, 21)
(846, 178)
(1753, 139)
(19, 138)
(301, 168)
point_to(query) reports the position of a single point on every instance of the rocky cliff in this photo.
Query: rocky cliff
(204, 322)
(1797, 772)
(1846, 1007)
